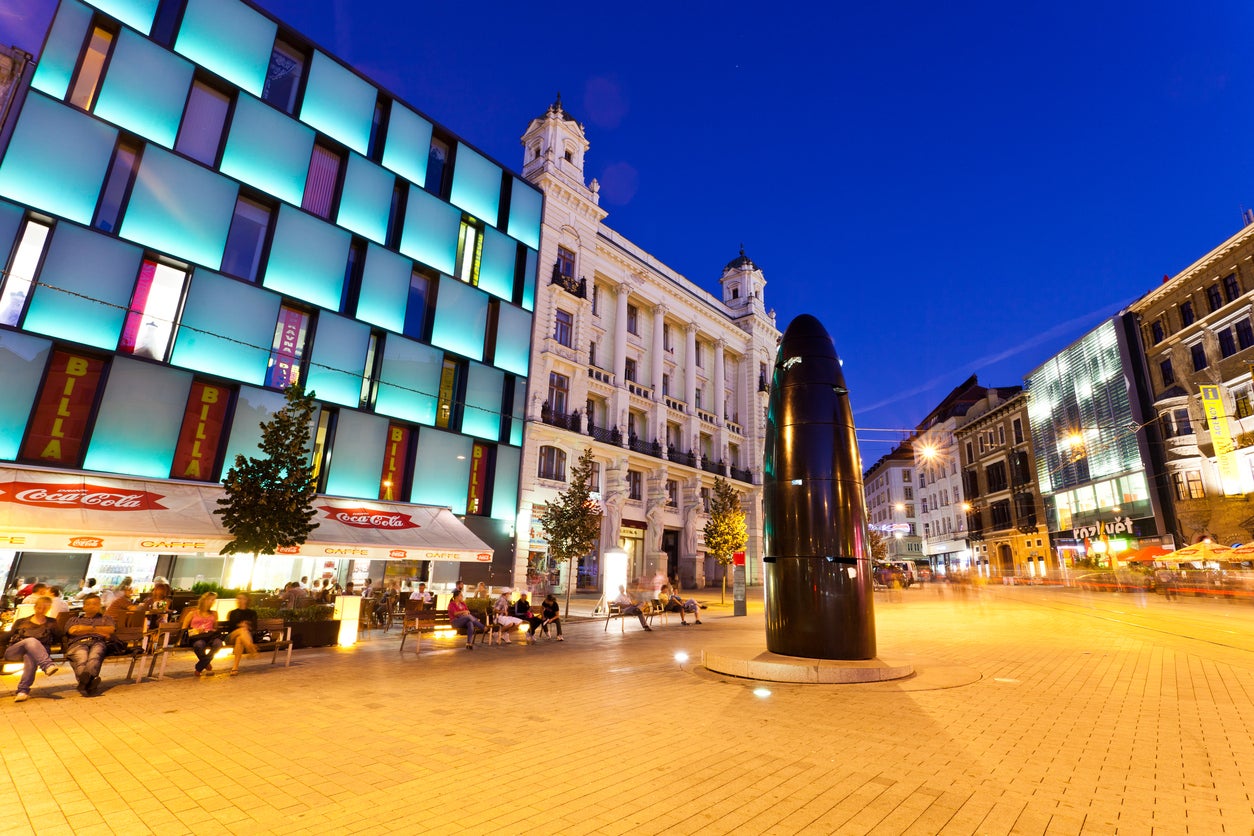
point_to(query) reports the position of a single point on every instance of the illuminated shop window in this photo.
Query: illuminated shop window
(321, 182)
(291, 334)
(87, 82)
(397, 453)
(287, 65)
(200, 137)
(117, 182)
(246, 239)
(202, 432)
(31, 245)
(59, 421)
(150, 320)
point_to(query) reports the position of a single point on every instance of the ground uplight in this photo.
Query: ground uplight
(681, 657)
(762, 692)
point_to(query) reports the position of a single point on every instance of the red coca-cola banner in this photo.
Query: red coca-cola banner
(203, 422)
(80, 496)
(64, 407)
(395, 460)
(369, 517)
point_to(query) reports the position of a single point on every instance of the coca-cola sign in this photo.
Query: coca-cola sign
(81, 496)
(369, 518)
(86, 543)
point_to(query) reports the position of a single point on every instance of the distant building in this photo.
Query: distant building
(664, 382)
(889, 485)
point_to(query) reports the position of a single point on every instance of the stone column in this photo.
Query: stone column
(658, 419)
(690, 365)
(719, 371)
(620, 336)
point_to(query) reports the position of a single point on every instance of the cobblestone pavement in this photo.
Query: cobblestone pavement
(1079, 714)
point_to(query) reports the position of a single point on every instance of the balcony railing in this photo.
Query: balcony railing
(707, 417)
(713, 467)
(743, 474)
(641, 391)
(689, 458)
(573, 286)
(732, 426)
(678, 406)
(601, 375)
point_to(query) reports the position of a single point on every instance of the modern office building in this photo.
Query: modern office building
(889, 485)
(1093, 449)
(663, 381)
(199, 207)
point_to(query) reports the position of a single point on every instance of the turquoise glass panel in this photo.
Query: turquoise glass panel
(122, 444)
(57, 159)
(461, 314)
(338, 360)
(307, 258)
(430, 233)
(529, 280)
(357, 455)
(408, 144)
(137, 14)
(22, 362)
(384, 288)
(145, 89)
(442, 469)
(520, 404)
(496, 268)
(253, 407)
(409, 380)
(481, 415)
(268, 150)
(525, 205)
(339, 103)
(10, 222)
(513, 340)
(366, 199)
(226, 328)
(60, 55)
(84, 287)
(476, 184)
(230, 39)
(179, 208)
(505, 483)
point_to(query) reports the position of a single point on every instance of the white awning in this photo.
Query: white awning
(55, 510)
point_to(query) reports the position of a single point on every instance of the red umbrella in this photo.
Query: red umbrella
(1146, 554)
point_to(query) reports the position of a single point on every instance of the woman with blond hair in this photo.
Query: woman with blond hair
(201, 624)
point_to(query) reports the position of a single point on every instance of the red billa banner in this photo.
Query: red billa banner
(395, 460)
(368, 517)
(64, 407)
(478, 479)
(203, 422)
(83, 495)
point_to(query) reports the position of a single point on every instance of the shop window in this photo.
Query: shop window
(291, 338)
(566, 262)
(563, 327)
(417, 307)
(322, 181)
(31, 245)
(437, 166)
(448, 411)
(91, 69)
(246, 239)
(469, 253)
(1168, 374)
(154, 306)
(200, 136)
(635, 485)
(1214, 300)
(1156, 331)
(1245, 334)
(1227, 343)
(1198, 354)
(559, 393)
(117, 184)
(633, 320)
(672, 493)
(1186, 313)
(552, 464)
(287, 66)
(1232, 288)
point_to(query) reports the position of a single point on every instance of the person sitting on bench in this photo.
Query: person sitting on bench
(88, 635)
(628, 606)
(29, 641)
(460, 618)
(242, 624)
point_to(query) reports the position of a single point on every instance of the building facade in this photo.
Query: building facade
(663, 381)
(198, 208)
(889, 485)
(1005, 515)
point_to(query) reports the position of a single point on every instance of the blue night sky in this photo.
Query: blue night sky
(951, 188)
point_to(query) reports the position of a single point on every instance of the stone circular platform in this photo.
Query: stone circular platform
(774, 667)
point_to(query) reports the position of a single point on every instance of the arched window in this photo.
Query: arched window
(552, 464)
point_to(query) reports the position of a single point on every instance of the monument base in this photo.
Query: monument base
(776, 667)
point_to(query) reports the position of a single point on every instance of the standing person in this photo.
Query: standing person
(29, 641)
(242, 624)
(460, 618)
(551, 613)
(88, 633)
(201, 624)
(628, 606)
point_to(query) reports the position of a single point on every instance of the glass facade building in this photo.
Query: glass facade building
(199, 207)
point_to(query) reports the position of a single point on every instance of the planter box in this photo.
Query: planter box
(314, 633)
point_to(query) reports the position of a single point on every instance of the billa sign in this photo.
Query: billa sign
(203, 421)
(61, 415)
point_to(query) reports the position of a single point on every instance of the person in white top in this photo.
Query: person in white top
(59, 604)
(421, 594)
(628, 606)
(88, 589)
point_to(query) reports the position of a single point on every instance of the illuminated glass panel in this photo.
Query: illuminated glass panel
(338, 361)
(253, 407)
(84, 287)
(517, 415)
(145, 89)
(154, 307)
(307, 258)
(228, 37)
(22, 361)
(268, 149)
(505, 483)
(409, 380)
(430, 233)
(179, 208)
(481, 415)
(525, 204)
(60, 55)
(122, 444)
(461, 315)
(226, 328)
(442, 469)
(57, 159)
(513, 340)
(338, 103)
(529, 280)
(366, 199)
(408, 144)
(10, 223)
(496, 266)
(357, 454)
(476, 184)
(137, 14)
(384, 288)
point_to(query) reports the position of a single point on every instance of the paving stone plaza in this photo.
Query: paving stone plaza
(1033, 711)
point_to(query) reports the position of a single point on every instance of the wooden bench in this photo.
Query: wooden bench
(133, 640)
(167, 640)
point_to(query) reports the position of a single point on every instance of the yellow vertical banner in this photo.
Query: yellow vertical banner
(1221, 437)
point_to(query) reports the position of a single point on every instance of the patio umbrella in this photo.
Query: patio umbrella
(1198, 551)
(1146, 554)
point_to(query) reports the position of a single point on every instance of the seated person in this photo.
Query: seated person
(507, 622)
(201, 624)
(120, 605)
(157, 605)
(421, 594)
(460, 618)
(628, 606)
(59, 604)
(673, 603)
(86, 636)
(88, 589)
(29, 641)
(242, 624)
(551, 614)
(522, 611)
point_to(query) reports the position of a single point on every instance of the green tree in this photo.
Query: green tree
(879, 546)
(725, 531)
(572, 521)
(269, 500)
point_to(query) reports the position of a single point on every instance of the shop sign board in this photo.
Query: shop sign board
(395, 460)
(60, 419)
(201, 433)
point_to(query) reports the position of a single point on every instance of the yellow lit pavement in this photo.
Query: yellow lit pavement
(1080, 714)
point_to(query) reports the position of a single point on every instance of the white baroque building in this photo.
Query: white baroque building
(665, 382)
